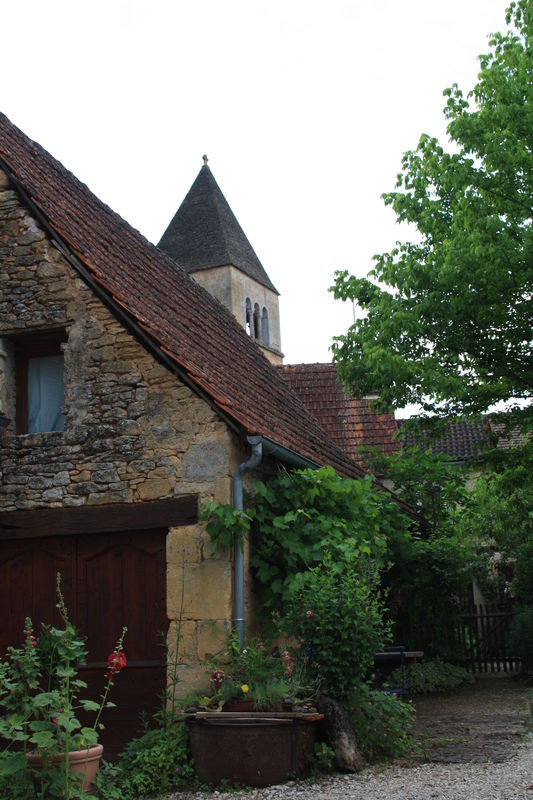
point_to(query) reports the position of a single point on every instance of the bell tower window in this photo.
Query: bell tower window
(248, 317)
(257, 322)
(264, 327)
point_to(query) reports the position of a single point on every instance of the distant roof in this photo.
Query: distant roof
(461, 440)
(465, 438)
(175, 317)
(204, 233)
(352, 424)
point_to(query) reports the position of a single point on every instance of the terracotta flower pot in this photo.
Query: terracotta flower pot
(80, 761)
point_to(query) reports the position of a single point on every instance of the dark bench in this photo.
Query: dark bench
(390, 659)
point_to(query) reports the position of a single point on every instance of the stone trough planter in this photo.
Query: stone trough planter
(255, 748)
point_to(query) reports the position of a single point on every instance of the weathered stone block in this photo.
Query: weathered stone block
(105, 474)
(212, 638)
(207, 589)
(187, 646)
(204, 461)
(153, 489)
(53, 494)
(192, 678)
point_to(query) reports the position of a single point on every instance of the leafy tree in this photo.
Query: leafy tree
(426, 482)
(425, 616)
(500, 512)
(449, 316)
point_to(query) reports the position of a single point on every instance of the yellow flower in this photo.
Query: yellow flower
(244, 688)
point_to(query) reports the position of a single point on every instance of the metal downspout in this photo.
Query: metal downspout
(238, 554)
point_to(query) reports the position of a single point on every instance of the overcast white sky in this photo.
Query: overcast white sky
(304, 108)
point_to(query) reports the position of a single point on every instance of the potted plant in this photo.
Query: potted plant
(46, 748)
(258, 677)
(272, 737)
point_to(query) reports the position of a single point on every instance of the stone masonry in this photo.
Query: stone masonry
(133, 431)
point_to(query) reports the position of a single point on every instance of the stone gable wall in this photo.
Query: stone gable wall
(133, 432)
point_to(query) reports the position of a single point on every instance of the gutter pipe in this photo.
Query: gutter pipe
(238, 554)
(259, 445)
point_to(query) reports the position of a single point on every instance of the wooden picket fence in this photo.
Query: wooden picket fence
(483, 640)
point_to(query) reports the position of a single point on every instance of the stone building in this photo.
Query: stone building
(129, 396)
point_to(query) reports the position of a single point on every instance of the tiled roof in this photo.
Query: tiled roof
(461, 440)
(352, 424)
(464, 439)
(204, 233)
(179, 318)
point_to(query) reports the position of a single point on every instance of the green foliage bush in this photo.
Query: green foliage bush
(430, 676)
(334, 611)
(158, 761)
(521, 636)
(382, 724)
(297, 516)
(426, 580)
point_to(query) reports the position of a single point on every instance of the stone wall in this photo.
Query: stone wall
(133, 432)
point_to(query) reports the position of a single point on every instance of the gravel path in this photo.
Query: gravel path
(479, 744)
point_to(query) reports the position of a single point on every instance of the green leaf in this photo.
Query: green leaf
(45, 740)
(90, 705)
(89, 736)
(46, 700)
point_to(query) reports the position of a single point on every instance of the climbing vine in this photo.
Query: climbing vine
(298, 517)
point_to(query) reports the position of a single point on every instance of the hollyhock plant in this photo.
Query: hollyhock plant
(40, 700)
(115, 662)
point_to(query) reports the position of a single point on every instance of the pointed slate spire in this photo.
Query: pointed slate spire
(204, 233)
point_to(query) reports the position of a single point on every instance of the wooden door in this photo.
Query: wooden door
(109, 581)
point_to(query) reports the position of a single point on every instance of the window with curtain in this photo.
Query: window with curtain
(45, 394)
(40, 387)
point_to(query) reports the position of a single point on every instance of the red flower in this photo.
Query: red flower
(309, 614)
(217, 677)
(115, 662)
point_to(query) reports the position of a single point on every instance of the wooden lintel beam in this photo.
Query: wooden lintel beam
(99, 519)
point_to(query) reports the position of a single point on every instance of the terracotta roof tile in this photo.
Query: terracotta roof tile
(352, 424)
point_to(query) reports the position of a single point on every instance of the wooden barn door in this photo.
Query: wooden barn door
(109, 581)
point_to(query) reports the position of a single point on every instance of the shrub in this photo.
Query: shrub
(430, 676)
(382, 724)
(335, 613)
(323, 758)
(158, 761)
